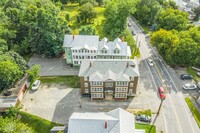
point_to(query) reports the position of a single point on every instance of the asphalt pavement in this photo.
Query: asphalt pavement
(174, 111)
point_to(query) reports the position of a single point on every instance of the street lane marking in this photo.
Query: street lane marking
(180, 98)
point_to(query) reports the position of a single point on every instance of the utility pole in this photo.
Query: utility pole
(160, 106)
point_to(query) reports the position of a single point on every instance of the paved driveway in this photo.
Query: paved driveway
(52, 66)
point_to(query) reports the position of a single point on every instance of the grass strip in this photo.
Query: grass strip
(193, 109)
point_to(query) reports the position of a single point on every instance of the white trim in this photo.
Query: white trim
(96, 89)
(121, 89)
(96, 95)
(120, 95)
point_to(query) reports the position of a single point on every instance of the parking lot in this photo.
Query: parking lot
(56, 102)
(52, 66)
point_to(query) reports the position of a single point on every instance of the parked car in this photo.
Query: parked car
(161, 92)
(129, 24)
(189, 86)
(150, 62)
(198, 74)
(133, 33)
(143, 118)
(35, 85)
(7, 93)
(185, 76)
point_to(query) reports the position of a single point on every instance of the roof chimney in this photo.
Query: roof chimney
(123, 39)
(73, 37)
(90, 64)
(127, 64)
(105, 125)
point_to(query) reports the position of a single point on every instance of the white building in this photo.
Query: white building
(80, 47)
(114, 121)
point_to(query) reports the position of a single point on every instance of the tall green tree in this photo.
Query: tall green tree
(116, 14)
(34, 73)
(87, 30)
(87, 13)
(9, 73)
(13, 125)
(146, 11)
(170, 19)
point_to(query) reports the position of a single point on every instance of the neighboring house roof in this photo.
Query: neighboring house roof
(115, 121)
(81, 41)
(91, 42)
(113, 69)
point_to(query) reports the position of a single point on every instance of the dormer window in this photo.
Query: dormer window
(104, 51)
(116, 51)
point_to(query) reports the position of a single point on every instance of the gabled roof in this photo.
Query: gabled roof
(114, 69)
(78, 41)
(115, 121)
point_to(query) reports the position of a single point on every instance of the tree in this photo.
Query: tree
(197, 12)
(47, 31)
(87, 30)
(34, 73)
(9, 73)
(170, 19)
(146, 11)
(93, 2)
(19, 60)
(13, 125)
(116, 14)
(13, 112)
(87, 13)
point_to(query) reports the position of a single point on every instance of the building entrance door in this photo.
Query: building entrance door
(109, 95)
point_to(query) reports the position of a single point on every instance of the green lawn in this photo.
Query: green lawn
(148, 128)
(193, 73)
(71, 81)
(39, 125)
(194, 111)
(72, 9)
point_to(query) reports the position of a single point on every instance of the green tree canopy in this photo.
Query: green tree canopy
(87, 13)
(178, 48)
(87, 30)
(9, 73)
(170, 19)
(116, 14)
(13, 125)
(147, 10)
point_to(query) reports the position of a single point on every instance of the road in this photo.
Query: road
(174, 111)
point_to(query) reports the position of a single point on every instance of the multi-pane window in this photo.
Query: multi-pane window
(121, 83)
(121, 89)
(94, 57)
(109, 84)
(96, 95)
(86, 84)
(96, 89)
(96, 83)
(75, 62)
(120, 95)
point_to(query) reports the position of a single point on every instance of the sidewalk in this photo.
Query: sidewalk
(195, 104)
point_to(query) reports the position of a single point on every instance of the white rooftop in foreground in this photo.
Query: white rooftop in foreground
(115, 121)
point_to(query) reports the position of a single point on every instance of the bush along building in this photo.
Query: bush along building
(80, 47)
(109, 78)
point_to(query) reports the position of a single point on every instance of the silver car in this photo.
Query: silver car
(35, 85)
(150, 62)
(189, 86)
